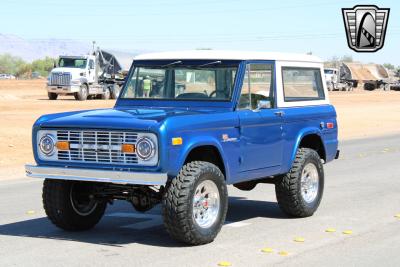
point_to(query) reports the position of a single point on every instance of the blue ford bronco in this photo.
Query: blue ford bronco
(186, 125)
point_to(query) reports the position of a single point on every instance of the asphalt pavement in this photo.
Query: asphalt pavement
(361, 198)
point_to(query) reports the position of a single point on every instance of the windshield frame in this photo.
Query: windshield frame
(175, 101)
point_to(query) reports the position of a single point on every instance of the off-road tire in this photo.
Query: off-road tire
(177, 203)
(115, 91)
(288, 187)
(52, 96)
(83, 93)
(58, 207)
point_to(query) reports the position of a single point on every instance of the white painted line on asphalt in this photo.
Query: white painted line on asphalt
(236, 224)
(153, 220)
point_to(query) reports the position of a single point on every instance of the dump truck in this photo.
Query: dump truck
(99, 74)
(373, 76)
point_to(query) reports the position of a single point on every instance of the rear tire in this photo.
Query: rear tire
(106, 95)
(82, 95)
(52, 96)
(300, 191)
(68, 205)
(195, 203)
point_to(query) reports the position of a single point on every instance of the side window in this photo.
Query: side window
(257, 89)
(302, 84)
(91, 64)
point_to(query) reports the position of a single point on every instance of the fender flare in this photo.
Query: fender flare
(195, 143)
(300, 136)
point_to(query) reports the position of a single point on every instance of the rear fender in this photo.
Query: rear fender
(304, 132)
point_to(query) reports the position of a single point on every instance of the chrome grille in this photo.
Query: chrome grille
(60, 78)
(97, 146)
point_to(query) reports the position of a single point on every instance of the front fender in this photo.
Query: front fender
(178, 155)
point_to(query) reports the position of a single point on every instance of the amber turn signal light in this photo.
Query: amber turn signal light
(62, 145)
(128, 148)
(176, 141)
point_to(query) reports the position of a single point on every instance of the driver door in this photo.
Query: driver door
(261, 141)
(92, 70)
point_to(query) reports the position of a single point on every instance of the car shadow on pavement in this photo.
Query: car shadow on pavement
(118, 226)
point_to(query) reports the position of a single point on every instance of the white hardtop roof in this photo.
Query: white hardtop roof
(227, 55)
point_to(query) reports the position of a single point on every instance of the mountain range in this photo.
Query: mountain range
(31, 49)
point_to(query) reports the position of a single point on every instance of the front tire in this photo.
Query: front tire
(52, 96)
(70, 206)
(195, 203)
(299, 192)
(82, 95)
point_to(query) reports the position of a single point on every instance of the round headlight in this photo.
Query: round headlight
(46, 144)
(145, 148)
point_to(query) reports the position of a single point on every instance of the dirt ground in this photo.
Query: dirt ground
(361, 114)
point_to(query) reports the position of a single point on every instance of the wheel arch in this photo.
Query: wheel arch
(310, 138)
(207, 151)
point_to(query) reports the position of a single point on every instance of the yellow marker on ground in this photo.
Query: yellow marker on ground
(347, 232)
(386, 150)
(267, 250)
(283, 253)
(330, 230)
(224, 263)
(30, 212)
(397, 215)
(299, 239)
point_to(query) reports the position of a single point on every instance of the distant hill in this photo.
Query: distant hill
(31, 49)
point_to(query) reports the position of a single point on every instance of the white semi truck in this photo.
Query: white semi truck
(97, 75)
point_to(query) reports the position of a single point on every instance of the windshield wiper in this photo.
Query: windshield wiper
(211, 63)
(172, 63)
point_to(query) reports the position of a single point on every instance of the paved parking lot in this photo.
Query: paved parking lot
(362, 195)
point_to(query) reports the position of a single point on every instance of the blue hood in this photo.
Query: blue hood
(133, 118)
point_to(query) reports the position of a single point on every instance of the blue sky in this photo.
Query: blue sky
(284, 26)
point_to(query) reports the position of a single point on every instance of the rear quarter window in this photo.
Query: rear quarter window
(302, 84)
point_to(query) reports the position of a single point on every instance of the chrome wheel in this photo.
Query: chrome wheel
(309, 183)
(82, 202)
(206, 204)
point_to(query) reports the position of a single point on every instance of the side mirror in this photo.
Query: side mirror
(263, 104)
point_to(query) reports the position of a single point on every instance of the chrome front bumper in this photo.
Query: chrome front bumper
(89, 175)
(63, 89)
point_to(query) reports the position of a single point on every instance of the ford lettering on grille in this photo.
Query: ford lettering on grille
(97, 146)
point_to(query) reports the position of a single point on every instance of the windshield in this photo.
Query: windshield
(72, 63)
(205, 80)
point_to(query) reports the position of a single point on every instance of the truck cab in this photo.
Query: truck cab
(186, 125)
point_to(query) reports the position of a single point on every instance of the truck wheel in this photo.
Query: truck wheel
(195, 203)
(82, 95)
(52, 96)
(115, 91)
(299, 192)
(70, 206)
(106, 95)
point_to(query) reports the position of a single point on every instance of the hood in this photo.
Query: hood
(133, 118)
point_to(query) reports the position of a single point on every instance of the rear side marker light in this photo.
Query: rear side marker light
(128, 148)
(62, 145)
(329, 125)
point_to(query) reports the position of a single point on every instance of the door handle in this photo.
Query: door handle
(279, 113)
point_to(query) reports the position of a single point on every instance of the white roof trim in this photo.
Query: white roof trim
(228, 55)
